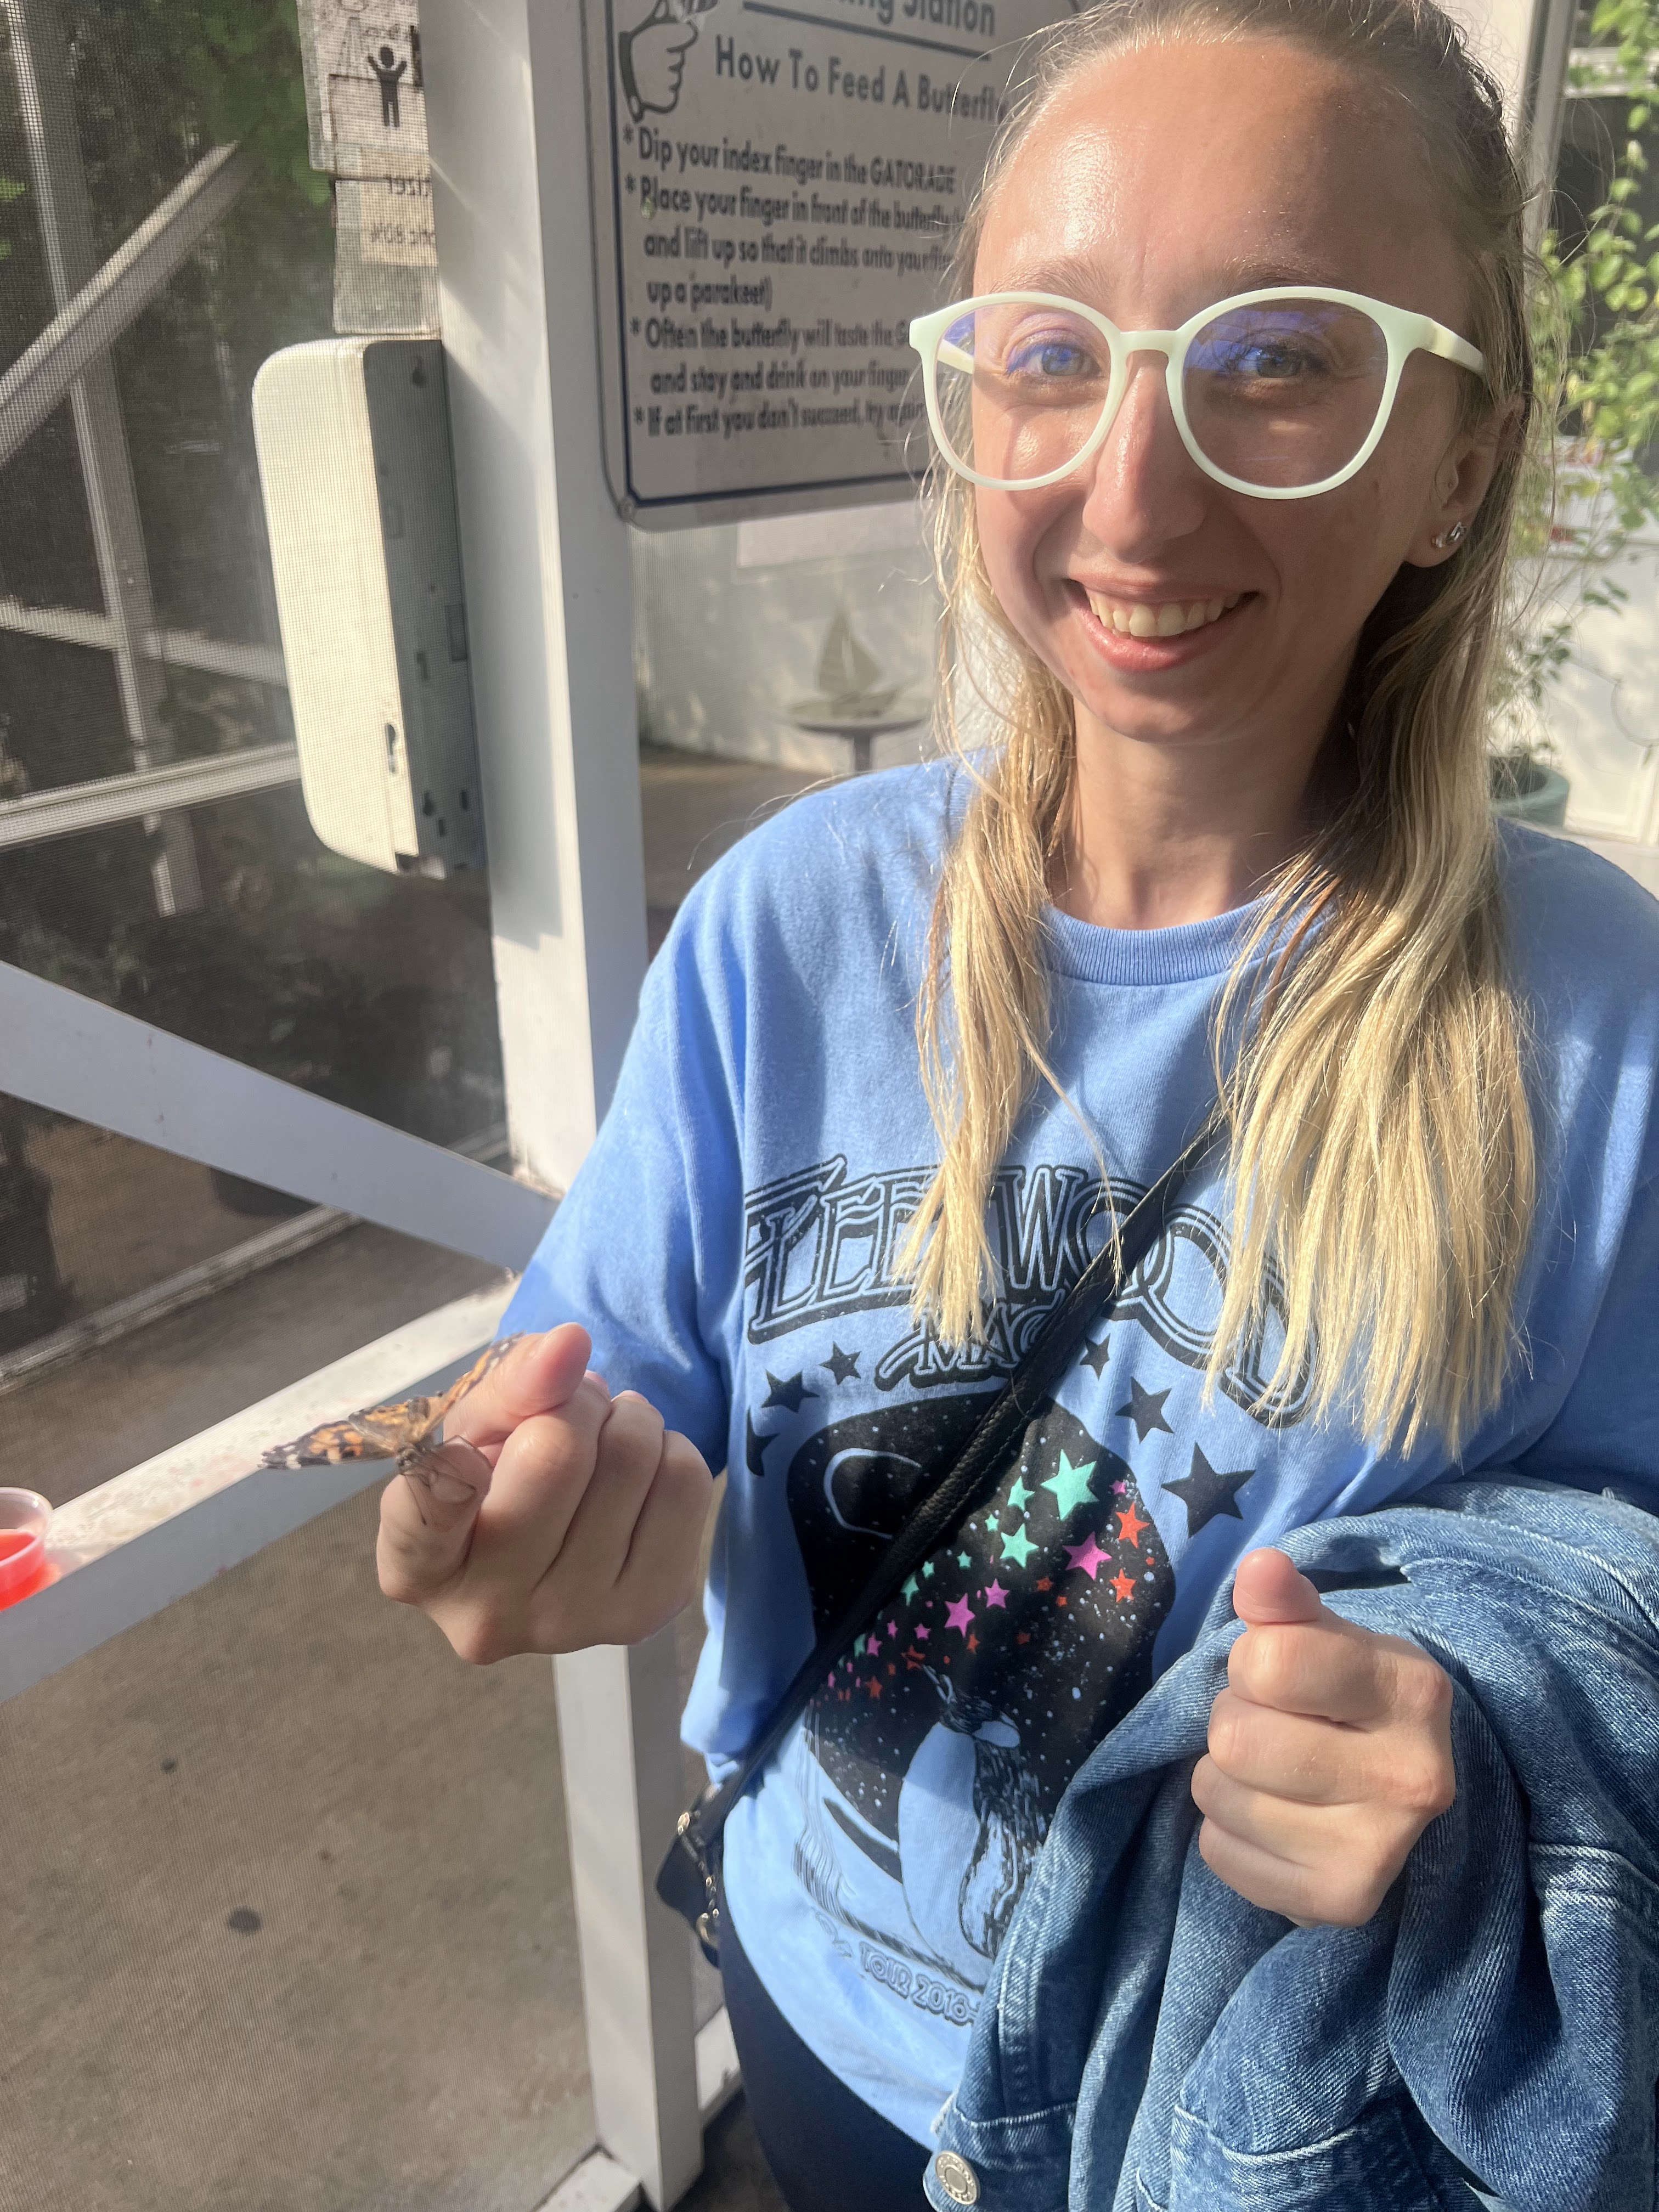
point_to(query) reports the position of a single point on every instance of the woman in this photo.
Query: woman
(1229, 593)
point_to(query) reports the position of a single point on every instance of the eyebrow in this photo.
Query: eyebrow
(1073, 277)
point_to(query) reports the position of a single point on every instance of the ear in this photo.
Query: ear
(1460, 483)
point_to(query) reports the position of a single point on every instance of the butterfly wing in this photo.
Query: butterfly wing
(488, 1358)
(370, 1435)
(394, 1431)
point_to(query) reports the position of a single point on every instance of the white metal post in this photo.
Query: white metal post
(548, 603)
(551, 624)
(618, 1739)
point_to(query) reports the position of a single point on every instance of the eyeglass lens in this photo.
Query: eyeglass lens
(1280, 394)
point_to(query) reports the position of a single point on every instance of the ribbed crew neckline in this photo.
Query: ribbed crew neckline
(1186, 952)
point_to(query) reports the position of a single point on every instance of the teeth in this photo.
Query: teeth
(1136, 618)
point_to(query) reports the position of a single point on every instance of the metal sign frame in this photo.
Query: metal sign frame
(687, 511)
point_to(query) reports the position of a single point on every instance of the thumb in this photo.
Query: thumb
(1268, 1591)
(427, 1517)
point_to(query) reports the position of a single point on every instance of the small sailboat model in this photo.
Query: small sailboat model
(851, 701)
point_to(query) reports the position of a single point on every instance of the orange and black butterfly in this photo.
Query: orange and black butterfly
(405, 1431)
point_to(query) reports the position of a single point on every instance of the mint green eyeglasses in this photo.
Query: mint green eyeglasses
(1279, 393)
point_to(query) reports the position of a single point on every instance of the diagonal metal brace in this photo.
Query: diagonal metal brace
(90, 323)
(61, 1049)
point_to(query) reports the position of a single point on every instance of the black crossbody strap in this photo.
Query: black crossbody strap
(965, 1484)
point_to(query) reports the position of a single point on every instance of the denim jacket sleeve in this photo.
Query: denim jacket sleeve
(1151, 2043)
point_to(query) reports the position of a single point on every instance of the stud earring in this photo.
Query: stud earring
(1449, 536)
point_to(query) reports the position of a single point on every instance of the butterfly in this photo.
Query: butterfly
(405, 1431)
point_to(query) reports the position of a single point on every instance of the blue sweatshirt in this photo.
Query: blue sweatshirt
(729, 1244)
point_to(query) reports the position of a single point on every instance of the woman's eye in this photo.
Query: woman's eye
(1275, 362)
(1050, 359)
(1266, 361)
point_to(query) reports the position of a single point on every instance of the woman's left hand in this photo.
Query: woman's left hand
(1330, 1752)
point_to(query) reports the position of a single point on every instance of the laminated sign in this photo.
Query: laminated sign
(777, 188)
(366, 107)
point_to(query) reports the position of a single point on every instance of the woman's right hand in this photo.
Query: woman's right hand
(552, 1516)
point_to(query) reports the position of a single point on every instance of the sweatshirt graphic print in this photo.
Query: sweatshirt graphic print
(937, 1751)
(729, 1245)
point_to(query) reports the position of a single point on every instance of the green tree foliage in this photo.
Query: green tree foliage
(10, 190)
(1596, 334)
(235, 65)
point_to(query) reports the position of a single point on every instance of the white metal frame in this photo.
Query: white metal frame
(551, 620)
(551, 636)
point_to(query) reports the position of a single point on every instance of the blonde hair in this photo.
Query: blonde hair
(1371, 1070)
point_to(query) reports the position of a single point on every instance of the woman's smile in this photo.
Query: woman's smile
(1141, 632)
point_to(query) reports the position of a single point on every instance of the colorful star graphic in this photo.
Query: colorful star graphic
(843, 1365)
(995, 1594)
(1071, 1486)
(973, 1643)
(927, 1570)
(874, 1687)
(958, 1615)
(1130, 1524)
(1087, 1558)
(1123, 1586)
(922, 1633)
(787, 1393)
(910, 1588)
(1019, 1497)
(1146, 1410)
(1018, 1545)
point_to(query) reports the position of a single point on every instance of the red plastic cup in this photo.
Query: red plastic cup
(25, 1517)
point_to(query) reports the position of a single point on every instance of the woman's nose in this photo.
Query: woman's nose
(1145, 487)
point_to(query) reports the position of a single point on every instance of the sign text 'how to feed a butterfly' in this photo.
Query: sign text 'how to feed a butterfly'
(777, 188)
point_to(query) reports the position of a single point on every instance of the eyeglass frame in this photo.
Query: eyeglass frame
(1403, 331)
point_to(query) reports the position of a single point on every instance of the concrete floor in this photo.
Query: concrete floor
(284, 1902)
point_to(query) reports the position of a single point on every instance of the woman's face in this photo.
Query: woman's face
(1159, 182)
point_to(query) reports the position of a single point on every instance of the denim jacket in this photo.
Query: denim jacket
(1149, 2042)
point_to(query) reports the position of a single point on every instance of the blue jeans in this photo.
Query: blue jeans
(828, 2150)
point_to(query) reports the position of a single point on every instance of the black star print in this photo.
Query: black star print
(1146, 1410)
(842, 1365)
(1205, 1493)
(1095, 1356)
(755, 1446)
(788, 1395)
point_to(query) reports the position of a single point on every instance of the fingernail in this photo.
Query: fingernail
(593, 1376)
(437, 1473)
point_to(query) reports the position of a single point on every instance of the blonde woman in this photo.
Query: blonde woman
(1231, 404)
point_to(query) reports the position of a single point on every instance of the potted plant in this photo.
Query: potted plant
(1595, 336)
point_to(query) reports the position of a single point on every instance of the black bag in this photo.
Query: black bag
(688, 1877)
